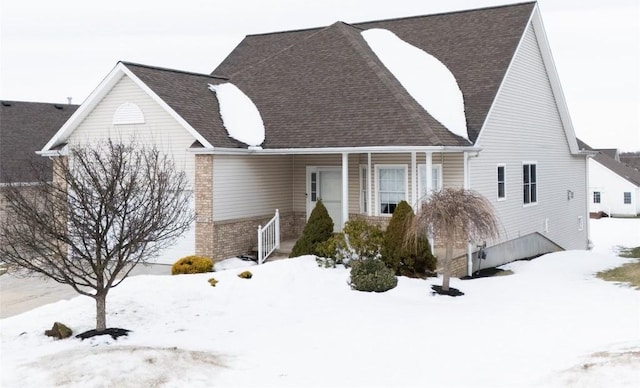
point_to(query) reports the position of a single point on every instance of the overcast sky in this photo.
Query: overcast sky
(51, 50)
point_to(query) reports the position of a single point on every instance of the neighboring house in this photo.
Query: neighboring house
(25, 127)
(614, 187)
(343, 125)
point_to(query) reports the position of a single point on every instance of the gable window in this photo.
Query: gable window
(436, 179)
(529, 183)
(502, 194)
(627, 197)
(392, 187)
(596, 197)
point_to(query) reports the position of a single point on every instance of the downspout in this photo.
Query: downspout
(466, 185)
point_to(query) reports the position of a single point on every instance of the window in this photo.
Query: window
(501, 183)
(314, 186)
(596, 197)
(436, 179)
(363, 189)
(392, 187)
(529, 183)
(627, 197)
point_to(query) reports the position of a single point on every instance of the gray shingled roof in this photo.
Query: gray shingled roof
(189, 96)
(25, 127)
(318, 85)
(627, 172)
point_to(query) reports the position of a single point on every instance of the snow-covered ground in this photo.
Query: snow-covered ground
(551, 323)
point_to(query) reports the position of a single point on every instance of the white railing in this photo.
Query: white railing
(268, 238)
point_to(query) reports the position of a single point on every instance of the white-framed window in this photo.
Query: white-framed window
(529, 183)
(391, 187)
(596, 197)
(436, 179)
(364, 197)
(502, 182)
(580, 223)
(627, 198)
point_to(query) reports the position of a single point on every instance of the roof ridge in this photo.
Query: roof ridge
(4, 102)
(126, 63)
(446, 13)
(287, 48)
(394, 19)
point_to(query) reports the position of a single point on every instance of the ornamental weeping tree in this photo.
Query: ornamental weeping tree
(109, 207)
(456, 216)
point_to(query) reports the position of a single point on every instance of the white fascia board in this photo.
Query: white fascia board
(167, 108)
(107, 84)
(332, 150)
(85, 108)
(554, 79)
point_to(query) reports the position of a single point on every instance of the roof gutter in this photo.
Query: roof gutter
(333, 150)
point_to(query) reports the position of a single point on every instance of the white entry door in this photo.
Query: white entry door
(325, 184)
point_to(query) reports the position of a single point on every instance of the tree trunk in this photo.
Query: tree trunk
(446, 272)
(101, 307)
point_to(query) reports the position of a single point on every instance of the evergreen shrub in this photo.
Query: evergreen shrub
(406, 258)
(213, 282)
(192, 264)
(372, 275)
(359, 240)
(245, 275)
(319, 228)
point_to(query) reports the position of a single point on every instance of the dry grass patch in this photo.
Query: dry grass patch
(626, 273)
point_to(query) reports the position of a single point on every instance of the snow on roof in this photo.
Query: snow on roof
(426, 79)
(240, 115)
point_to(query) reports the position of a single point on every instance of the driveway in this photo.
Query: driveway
(18, 295)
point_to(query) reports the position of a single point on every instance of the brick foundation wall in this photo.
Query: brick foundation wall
(240, 236)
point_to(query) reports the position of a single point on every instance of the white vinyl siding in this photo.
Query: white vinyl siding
(158, 127)
(610, 189)
(251, 185)
(524, 125)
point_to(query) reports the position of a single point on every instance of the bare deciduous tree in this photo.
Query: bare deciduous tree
(456, 216)
(110, 207)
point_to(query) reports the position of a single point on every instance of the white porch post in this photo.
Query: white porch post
(414, 181)
(429, 173)
(428, 185)
(345, 189)
(369, 191)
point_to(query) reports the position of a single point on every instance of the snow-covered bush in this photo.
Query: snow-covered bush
(245, 275)
(213, 282)
(192, 264)
(372, 275)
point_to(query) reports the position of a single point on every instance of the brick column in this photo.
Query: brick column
(203, 192)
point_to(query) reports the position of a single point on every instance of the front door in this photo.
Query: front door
(325, 184)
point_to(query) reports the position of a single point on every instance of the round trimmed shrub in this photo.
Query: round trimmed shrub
(192, 264)
(245, 275)
(372, 275)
